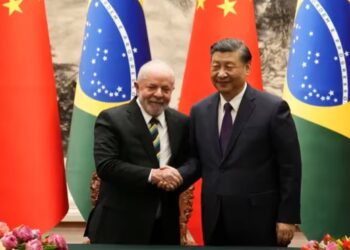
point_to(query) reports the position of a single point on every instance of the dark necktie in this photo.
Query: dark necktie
(153, 129)
(226, 127)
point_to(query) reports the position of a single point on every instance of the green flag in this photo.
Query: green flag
(318, 92)
(115, 47)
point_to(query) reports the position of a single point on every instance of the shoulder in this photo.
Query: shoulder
(176, 114)
(264, 99)
(269, 103)
(117, 111)
(263, 95)
(207, 101)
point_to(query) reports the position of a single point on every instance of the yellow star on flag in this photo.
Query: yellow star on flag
(13, 5)
(228, 7)
(200, 4)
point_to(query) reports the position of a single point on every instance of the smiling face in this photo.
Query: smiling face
(154, 90)
(229, 73)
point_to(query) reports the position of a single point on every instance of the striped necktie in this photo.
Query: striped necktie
(153, 129)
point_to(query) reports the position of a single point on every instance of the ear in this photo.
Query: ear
(248, 67)
(136, 84)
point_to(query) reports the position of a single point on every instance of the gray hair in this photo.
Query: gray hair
(155, 65)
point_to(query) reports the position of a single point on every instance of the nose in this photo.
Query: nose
(159, 92)
(222, 73)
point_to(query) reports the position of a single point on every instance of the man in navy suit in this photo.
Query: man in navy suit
(130, 208)
(245, 148)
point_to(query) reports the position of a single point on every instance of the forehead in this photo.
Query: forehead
(230, 56)
(158, 77)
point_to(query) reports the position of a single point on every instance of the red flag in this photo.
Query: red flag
(32, 183)
(214, 20)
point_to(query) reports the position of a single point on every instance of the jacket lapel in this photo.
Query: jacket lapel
(141, 130)
(174, 139)
(244, 112)
(213, 123)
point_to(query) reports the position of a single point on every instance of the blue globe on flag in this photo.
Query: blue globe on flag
(319, 58)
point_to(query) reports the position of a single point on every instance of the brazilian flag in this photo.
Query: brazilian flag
(317, 90)
(115, 46)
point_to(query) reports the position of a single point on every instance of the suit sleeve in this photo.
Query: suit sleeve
(191, 170)
(287, 153)
(108, 162)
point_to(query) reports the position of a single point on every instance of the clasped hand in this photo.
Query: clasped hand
(167, 178)
(285, 233)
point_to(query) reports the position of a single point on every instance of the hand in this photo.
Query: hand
(171, 178)
(166, 177)
(171, 175)
(285, 233)
(167, 186)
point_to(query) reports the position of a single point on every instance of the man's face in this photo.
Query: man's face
(154, 92)
(228, 73)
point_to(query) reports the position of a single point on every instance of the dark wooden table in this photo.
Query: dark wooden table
(143, 247)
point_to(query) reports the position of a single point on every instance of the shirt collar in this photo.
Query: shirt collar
(235, 101)
(148, 117)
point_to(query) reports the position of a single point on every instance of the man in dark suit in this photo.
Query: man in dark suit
(130, 208)
(246, 150)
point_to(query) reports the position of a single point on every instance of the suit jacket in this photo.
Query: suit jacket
(256, 183)
(124, 156)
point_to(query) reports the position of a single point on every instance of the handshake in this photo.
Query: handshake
(166, 177)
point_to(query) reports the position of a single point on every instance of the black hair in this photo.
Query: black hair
(232, 45)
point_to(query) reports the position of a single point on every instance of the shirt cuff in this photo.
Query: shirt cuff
(150, 176)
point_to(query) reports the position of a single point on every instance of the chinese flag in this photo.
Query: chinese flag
(214, 20)
(32, 182)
